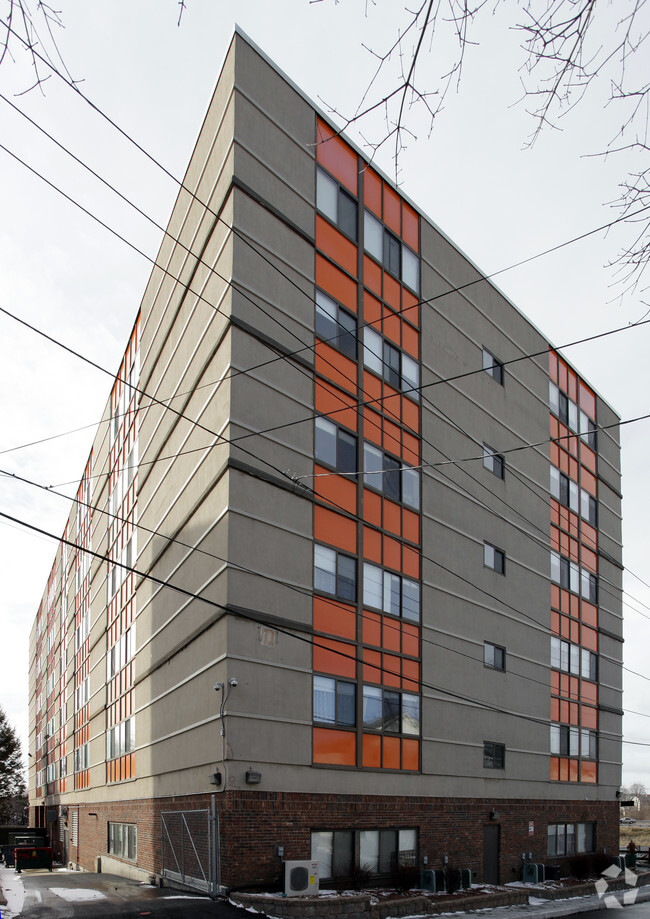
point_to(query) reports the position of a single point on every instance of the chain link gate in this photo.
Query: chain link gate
(190, 848)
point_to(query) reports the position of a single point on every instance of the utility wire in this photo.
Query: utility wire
(254, 616)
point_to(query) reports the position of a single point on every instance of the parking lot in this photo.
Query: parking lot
(63, 894)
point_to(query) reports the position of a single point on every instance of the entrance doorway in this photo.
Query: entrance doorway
(491, 846)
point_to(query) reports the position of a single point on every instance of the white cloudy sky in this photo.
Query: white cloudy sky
(499, 202)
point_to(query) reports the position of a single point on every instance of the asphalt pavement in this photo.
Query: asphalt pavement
(64, 894)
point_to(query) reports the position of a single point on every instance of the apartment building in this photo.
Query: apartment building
(343, 574)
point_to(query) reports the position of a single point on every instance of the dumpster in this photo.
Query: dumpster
(33, 857)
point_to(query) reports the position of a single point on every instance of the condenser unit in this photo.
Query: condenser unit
(300, 879)
(530, 873)
(432, 879)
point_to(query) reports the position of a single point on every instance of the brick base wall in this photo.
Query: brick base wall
(254, 823)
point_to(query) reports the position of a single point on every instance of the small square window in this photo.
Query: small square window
(493, 366)
(493, 461)
(494, 656)
(494, 755)
(494, 558)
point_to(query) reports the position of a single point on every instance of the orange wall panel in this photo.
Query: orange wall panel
(392, 291)
(335, 529)
(411, 755)
(587, 401)
(372, 751)
(392, 552)
(588, 772)
(410, 639)
(335, 404)
(335, 245)
(372, 275)
(372, 628)
(340, 491)
(335, 618)
(410, 340)
(410, 225)
(371, 666)
(335, 657)
(392, 520)
(392, 669)
(372, 544)
(336, 748)
(410, 413)
(392, 210)
(410, 308)
(372, 507)
(391, 751)
(336, 156)
(393, 327)
(335, 283)
(372, 191)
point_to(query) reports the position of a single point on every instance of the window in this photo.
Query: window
(564, 490)
(390, 711)
(120, 739)
(565, 740)
(336, 204)
(572, 659)
(588, 431)
(494, 656)
(391, 593)
(396, 367)
(569, 838)
(494, 755)
(120, 653)
(589, 586)
(494, 558)
(570, 576)
(400, 261)
(588, 508)
(335, 573)
(493, 461)
(396, 481)
(122, 840)
(335, 325)
(392, 255)
(588, 665)
(335, 447)
(493, 366)
(81, 758)
(340, 852)
(334, 701)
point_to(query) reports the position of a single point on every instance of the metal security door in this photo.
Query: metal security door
(491, 846)
(190, 849)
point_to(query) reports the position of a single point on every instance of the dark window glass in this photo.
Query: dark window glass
(392, 720)
(345, 703)
(347, 329)
(564, 490)
(564, 573)
(387, 851)
(392, 478)
(343, 854)
(346, 579)
(347, 216)
(492, 366)
(494, 755)
(347, 460)
(392, 254)
(564, 408)
(392, 365)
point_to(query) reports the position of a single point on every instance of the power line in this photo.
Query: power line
(254, 616)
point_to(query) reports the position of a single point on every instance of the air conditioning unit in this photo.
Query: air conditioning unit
(464, 878)
(541, 873)
(428, 879)
(530, 873)
(300, 879)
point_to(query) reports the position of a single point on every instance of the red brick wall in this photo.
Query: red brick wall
(254, 823)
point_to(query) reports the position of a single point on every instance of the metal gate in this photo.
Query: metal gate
(190, 849)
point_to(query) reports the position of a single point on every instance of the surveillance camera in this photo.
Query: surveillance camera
(233, 681)
(218, 686)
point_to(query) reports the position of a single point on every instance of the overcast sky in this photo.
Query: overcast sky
(499, 201)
